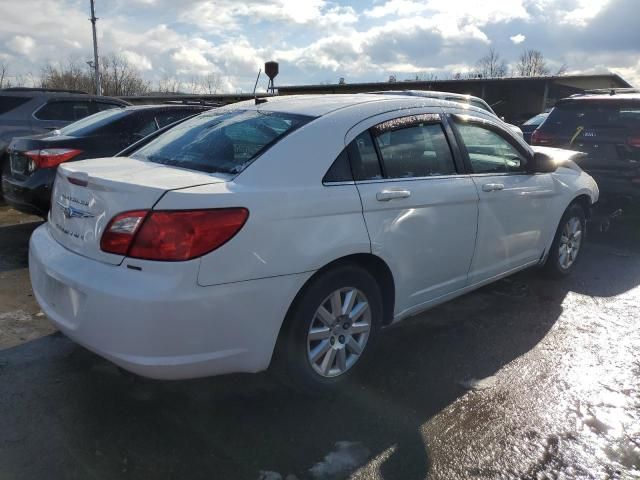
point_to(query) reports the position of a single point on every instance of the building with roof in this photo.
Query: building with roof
(514, 98)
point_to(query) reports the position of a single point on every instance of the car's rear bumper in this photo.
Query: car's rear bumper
(612, 186)
(157, 322)
(30, 194)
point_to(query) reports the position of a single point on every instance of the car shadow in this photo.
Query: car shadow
(14, 245)
(68, 413)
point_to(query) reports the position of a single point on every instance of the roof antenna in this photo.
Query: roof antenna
(257, 100)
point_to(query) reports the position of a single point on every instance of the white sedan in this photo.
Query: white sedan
(290, 232)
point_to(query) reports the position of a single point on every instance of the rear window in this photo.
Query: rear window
(11, 103)
(568, 116)
(227, 142)
(67, 111)
(92, 123)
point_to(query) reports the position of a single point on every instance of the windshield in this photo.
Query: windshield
(92, 123)
(537, 120)
(227, 142)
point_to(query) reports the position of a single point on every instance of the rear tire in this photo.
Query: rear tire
(568, 242)
(330, 331)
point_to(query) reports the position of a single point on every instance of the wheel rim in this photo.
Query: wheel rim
(339, 332)
(570, 241)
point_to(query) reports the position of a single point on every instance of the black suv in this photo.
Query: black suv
(606, 125)
(33, 160)
(25, 111)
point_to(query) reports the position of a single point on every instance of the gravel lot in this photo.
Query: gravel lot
(526, 379)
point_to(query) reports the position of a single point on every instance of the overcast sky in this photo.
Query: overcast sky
(319, 41)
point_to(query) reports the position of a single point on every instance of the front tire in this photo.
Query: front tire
(568, 242)
(330, 330)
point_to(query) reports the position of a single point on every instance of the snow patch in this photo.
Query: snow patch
(480, 384)
(16, 316)
(344, 459)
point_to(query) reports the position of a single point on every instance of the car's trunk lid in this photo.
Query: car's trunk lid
(88, 194)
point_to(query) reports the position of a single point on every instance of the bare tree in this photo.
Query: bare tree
(425, 77)
(72, 76)
(4, 75)
(491, 65)
(210, 83)
(562, 70)
(531, 64)
(193, 85)
(120, 78)
(168, 84)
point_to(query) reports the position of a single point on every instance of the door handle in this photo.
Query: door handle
(492, 187)
(386, 195)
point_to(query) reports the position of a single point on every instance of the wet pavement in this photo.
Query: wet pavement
(523, 379)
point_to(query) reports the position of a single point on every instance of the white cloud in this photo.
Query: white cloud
(141, 62)
(460, 10)
(22, 44)
(583, 11)
(230, 14)
(317, 40)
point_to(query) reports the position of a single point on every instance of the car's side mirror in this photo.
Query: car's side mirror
(543, 163)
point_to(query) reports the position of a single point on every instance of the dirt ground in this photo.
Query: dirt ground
(20, 317)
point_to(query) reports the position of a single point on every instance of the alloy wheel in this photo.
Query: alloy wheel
(570, 242)
(339, 332)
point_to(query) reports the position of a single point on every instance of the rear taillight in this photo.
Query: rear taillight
(540, 138)
(634, 142)
(121, 230)
(50, 157)
(171, 235)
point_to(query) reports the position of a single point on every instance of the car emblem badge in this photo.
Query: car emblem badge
(70, 212)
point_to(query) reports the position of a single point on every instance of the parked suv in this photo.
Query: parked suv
(606, 126)
(26, 111)
(33, 160)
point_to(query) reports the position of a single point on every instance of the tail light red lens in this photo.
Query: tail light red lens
(634, 142)
(540, 138)
(50, 157)
(121, 230)
(172, 235)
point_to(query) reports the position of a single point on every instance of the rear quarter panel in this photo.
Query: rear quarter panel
(296, 224)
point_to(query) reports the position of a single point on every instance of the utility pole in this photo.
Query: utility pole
(96, 65)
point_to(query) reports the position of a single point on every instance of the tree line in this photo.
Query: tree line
(531, 63)
(118, 77)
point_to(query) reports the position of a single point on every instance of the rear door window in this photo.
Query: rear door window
(102, 106)
(417, 150)
(66, 111)
(9, 103)
(172, 116)
(224, 142)
(96, 123)
(364, 158)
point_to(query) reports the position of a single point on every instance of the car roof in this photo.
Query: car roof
(429, 94)
(320, 105)
(44, 93)
(165, 107)
(607, 97)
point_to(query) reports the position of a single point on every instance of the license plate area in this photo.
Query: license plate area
(19, 163)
